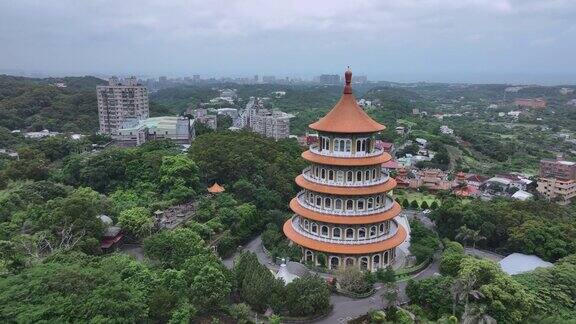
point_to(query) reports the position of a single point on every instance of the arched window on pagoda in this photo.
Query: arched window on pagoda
(348, 146)
(311, 199)
(359, 176)
(375, 262)
(349, 176)
(373, 231)
(338, 204)
(340, 176)
(373, 174)
(378, 202)
(328, 203)
(349, 233)
(336, 232)
(367, 175)
(362, 233)
(324, 230)
(314, 228)
(368, 145)
(370, 203)
(323, 174)
(325, 143)
(349, 204)
(331, 175)
(364, 263)
(358, 145)
(360, 204)
(381, 228)
(318, 201)
(306, 224)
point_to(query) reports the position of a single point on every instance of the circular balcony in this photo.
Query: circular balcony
(307, 173)
(346, 247)
(315, 148)
(298, 228)
(388, 204)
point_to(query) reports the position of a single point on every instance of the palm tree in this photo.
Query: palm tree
(476, 237)
(464, 234)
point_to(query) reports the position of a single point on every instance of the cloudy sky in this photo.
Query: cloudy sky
(397, 40)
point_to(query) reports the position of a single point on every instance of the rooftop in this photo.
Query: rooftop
(216, 188)
(517, 263)
(347, 116)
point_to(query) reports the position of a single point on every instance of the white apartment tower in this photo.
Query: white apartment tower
(120, 100)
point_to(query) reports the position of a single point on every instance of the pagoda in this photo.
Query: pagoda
(344, 210)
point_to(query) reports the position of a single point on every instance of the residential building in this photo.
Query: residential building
(274, 124)
(557, 179)
(344, 214)
(446, 130)
(120, 100)
(329, 79)
(566, 91)
(135, 132)
(537, 103)
(201, 116)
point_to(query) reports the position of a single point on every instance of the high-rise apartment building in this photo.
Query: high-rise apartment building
(119, 100)
(329, 79)
(557, 179)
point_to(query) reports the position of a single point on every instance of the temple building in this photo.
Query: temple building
(343, 211)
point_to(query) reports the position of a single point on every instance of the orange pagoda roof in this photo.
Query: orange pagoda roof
(347, 116)
(384, 245)
(345, 191)
(348, 220)
(216, 188)
(346, 161)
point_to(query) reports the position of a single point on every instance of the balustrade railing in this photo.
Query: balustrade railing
(314, 148)
(307, 174)
(301, 197)
(356, 241)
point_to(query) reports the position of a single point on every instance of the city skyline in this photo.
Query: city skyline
(501, 41)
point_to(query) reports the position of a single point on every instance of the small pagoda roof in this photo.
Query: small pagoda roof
(216, 188)
(347, 116)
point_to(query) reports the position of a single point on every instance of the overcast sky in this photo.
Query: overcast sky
(398, 40)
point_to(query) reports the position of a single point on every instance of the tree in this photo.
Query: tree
(76, 288)
(307, 295)
(451, 259)
(209, 288)
(432, 294)
(179, 177)
(240, 312)
(172, 248)
(434, 205)
(137, 221)
(405, 203)
(505, 299)
(386, 275)
(414, 204)
(256, 284)
(424, 205)
(352, 279)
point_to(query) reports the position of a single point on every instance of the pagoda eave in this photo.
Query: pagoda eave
(394, 211)
(343, 161)
(345, 191)
(327, 247)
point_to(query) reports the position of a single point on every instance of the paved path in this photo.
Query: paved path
(484, 254)
(254, 246)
